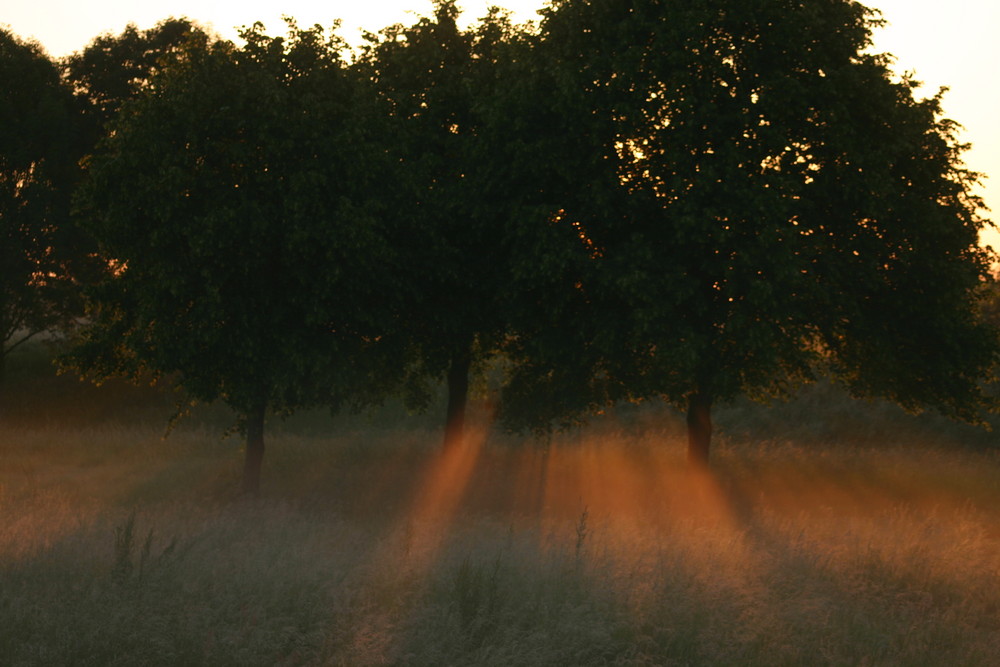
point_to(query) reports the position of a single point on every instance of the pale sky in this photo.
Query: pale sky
(954, 44)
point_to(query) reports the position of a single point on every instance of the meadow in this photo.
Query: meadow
(830, 532)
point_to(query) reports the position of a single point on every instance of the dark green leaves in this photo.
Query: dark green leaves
(763, 198)
(43, 257)
(228, 193)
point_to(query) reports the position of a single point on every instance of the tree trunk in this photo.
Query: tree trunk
(458, 398)
(255, 451)
(699, 424)
(3, 376)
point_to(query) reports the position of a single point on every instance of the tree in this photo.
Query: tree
(231, 197)
(47, 124)
(113, 69)
(44, 257)
(435, 82)
(759, 200)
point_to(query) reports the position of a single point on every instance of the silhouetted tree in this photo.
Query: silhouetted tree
(231, 195)
(434, 80)
(113, 69)
(753, 198)
(43, 256)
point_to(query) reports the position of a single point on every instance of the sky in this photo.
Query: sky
(954, 44)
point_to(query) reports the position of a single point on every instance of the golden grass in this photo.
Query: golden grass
(374, 548)
(828, 533)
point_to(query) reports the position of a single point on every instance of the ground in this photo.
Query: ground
(829, 532)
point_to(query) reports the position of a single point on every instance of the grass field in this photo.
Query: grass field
(830, 533)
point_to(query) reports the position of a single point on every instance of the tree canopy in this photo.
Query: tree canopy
(679, 201)
(436, 83)
(763, 200)
(113, 69)
(43, 256)
(230, 197)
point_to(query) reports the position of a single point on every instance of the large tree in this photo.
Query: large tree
(44, 257)
(233, 197)
(758, 199)
(435, 82)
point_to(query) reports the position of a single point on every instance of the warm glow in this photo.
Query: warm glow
(388, 547)
(422, 529)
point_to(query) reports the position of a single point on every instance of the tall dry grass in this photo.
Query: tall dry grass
(875, 540)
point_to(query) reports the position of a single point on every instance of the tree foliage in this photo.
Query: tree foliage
(759, 198)
(113, 69)
(231, 195)
(682, 201)
(435, 82)
(43, 256)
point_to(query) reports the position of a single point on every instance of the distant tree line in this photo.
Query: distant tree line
(628, 201)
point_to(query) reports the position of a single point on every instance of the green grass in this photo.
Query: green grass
(831, 533)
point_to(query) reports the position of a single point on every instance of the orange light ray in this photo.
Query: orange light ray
(417, 537)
